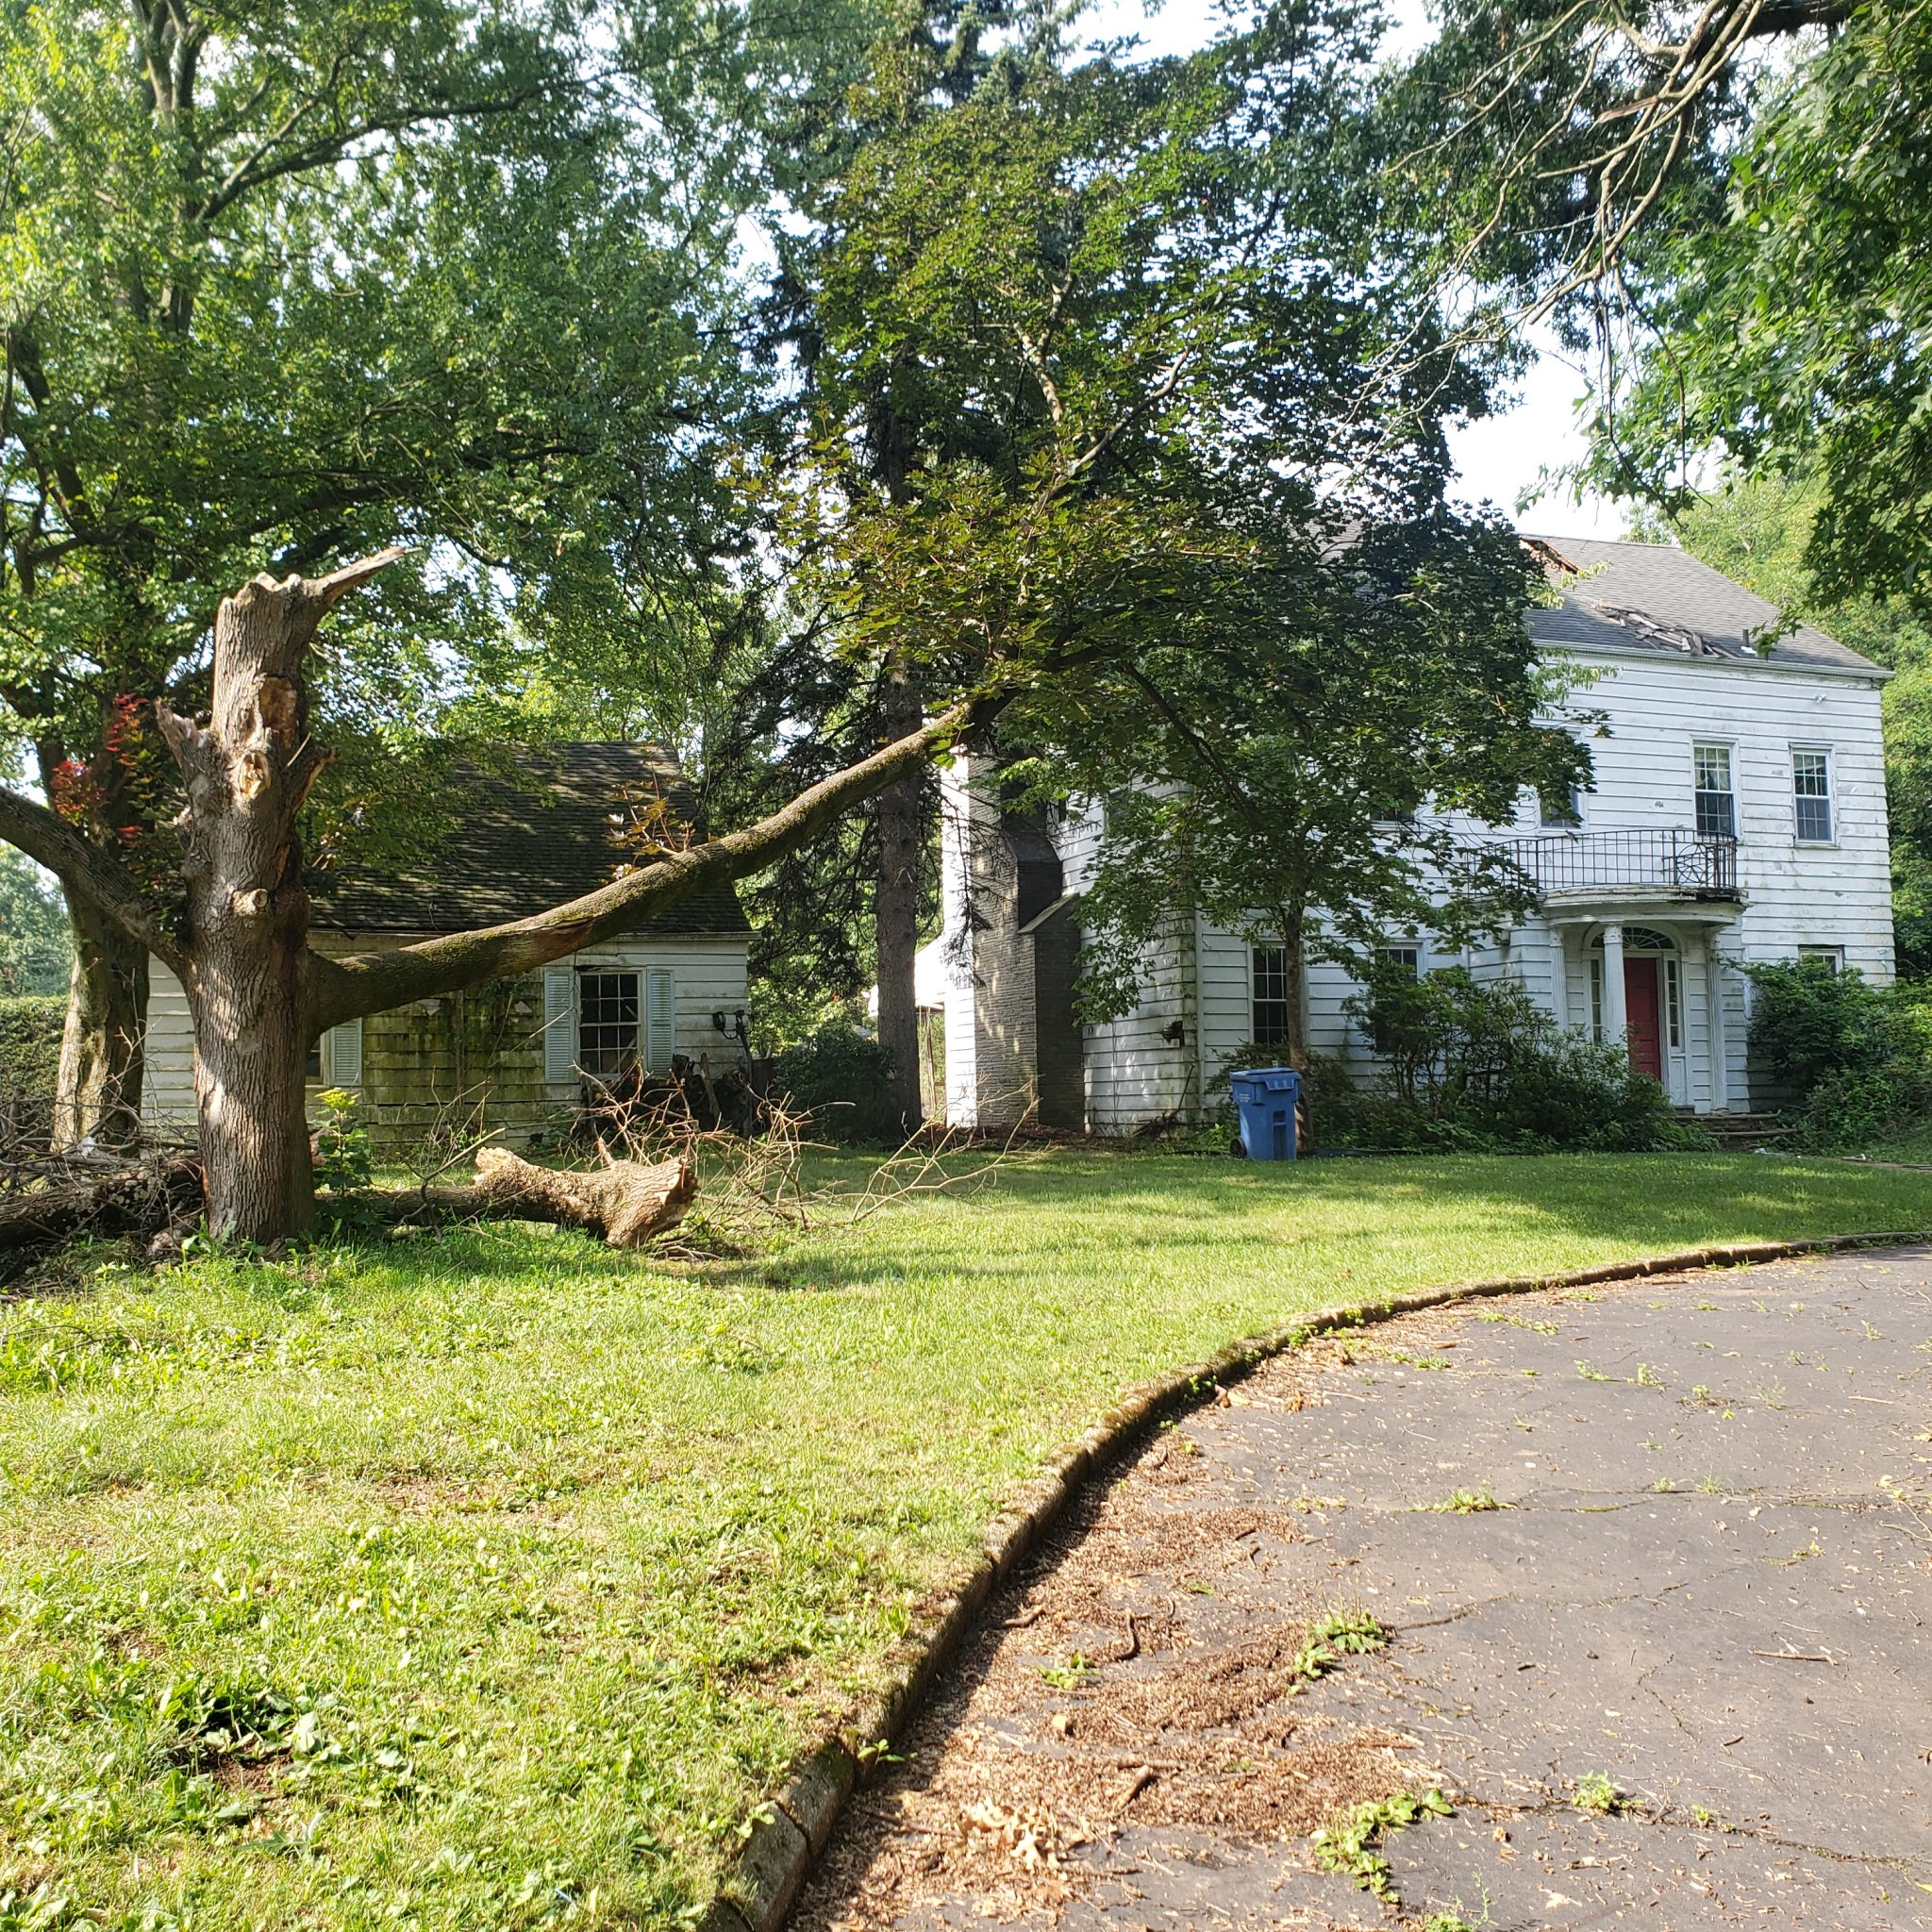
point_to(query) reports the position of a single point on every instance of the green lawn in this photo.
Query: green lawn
(519, 1570)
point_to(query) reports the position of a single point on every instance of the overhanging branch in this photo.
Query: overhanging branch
(84, 867)
(374, 982)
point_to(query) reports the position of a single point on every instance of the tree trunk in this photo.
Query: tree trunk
(101, 1046)
(1296, 984)
(247, 773)
(901, 829)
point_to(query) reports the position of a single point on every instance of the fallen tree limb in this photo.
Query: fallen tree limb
(142, 1198)
(625, 1202)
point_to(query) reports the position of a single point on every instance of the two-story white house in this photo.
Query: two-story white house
(1737, 814)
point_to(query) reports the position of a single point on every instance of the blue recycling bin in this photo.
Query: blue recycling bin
(1265, 1098)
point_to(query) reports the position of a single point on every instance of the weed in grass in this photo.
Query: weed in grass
(1771, 1394)
(1647, 1378)
(1590, 1375)
(1709, 1486)
(1706, 1820)
(1664, 1486)
(1348, 1844)
(1597, 1793)
(1463, 1503)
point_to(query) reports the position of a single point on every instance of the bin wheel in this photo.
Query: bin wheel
(1237, 1148)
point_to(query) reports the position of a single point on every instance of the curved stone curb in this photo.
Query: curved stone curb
(786, 1836)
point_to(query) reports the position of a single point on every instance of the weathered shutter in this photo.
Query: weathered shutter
(660, 1018)
(559, 1025)
(344, 1060)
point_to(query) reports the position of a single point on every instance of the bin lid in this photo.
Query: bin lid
(1266, 1079)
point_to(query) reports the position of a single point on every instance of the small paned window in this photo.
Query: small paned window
(1812, 793)
(1271, 996)
(1833, 956)
(606, 1024)
(1717, 809)
(1408, 959)
(1559, 809)
(1674, 1000)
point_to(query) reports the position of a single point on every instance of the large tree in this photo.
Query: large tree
(1086, 337)
(258, 993)
(284, 285)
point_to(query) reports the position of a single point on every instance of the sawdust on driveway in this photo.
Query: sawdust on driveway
(1639, 1577)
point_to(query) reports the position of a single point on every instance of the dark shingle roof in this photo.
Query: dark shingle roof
(521, 844)
(1658, 596)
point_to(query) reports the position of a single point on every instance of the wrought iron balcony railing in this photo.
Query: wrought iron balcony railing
(1697, 864)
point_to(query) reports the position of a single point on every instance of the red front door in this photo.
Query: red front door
(1642, 1018)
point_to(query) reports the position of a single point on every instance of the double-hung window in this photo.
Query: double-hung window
(1270, 1001)
(1405, 958)
(1716, 806)
(607, 1013)
(1811, 795)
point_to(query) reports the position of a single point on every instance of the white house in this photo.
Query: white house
(1737, 814)
(513, 1055)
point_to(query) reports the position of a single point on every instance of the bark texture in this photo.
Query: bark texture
(248, 772)
(102, 1056)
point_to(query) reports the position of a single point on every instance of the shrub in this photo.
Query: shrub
(1853, 1060)
(841, 1077)
(1475, 1064)
(30, 1044)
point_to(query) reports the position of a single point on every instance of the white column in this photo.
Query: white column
(1719, 1048)
(1616, 1019)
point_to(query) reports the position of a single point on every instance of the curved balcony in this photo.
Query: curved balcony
(1696, 866)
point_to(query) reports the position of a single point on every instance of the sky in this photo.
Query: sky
(1503, 458)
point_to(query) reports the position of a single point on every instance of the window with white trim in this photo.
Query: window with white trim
(1811, 796)
(1716, 806)
(608, 1007)
(1405, 954)
(1833, 956)
(1269, 1002)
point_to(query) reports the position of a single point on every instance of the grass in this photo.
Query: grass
(490, 1580)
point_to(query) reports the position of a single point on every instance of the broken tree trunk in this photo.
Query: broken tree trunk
(247, 772)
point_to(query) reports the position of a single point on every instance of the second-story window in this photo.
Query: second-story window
(1812, 794)
(1717, 808)
(1559, 809)
(1271, 996)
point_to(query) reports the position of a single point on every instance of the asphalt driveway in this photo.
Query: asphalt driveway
(1650, 1568)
